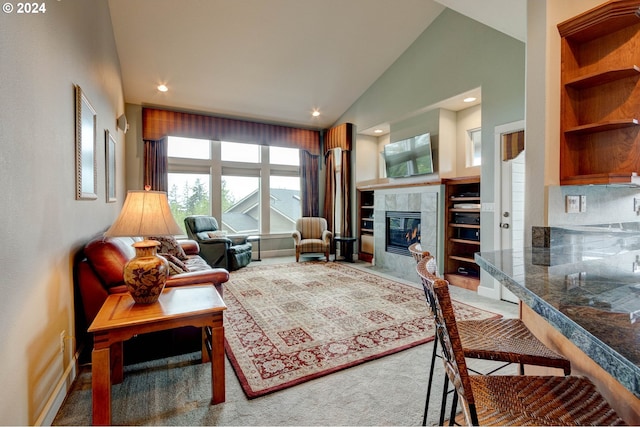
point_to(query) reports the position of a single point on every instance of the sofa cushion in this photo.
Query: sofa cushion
(197, 263)
(169, 245)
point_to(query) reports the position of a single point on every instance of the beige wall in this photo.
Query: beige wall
(43, 226)
(543, 103)
(466, 120)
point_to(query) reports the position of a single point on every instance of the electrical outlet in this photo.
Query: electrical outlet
(63, 334)
(636, 205)
(573, 204)
(488, 207)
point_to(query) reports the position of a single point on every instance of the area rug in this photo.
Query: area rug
(290, 323)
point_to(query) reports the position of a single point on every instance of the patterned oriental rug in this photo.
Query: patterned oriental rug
(290, 323)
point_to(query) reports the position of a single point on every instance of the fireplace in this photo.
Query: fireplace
(402, 229)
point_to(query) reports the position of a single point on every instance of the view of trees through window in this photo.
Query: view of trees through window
(189, 195)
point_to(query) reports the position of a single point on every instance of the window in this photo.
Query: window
(235, 152)
(240, 197)
(225, 179)
(284, 156)
(189, 148)
(284, 195)
(188, 195)
(474, 155)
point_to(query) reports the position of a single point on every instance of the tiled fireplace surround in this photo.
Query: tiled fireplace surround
(423, 199)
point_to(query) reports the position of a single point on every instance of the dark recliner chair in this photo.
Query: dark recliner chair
(232, 252)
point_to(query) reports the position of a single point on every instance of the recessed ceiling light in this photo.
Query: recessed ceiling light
(315, 113)
(163, 88)
(377, 131)
(469, 99)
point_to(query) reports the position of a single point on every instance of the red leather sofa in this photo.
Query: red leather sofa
(100, 273)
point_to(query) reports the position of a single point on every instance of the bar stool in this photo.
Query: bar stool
(509, 399)
(501, 340)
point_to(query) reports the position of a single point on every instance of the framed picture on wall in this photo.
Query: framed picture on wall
(86, 175)
(110, 165)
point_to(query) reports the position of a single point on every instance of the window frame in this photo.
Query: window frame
(471, 147)
(216, 168)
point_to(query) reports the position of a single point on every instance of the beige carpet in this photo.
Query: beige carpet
(290, 323)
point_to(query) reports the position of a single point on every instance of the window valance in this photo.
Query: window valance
(156, 124)
(339, 137)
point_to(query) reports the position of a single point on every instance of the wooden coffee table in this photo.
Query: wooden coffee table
(120, 318)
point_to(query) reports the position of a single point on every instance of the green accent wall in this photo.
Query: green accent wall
(453, 55)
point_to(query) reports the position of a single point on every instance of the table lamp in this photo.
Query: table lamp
(145, 213)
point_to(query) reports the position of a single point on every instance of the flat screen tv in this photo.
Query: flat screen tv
(408, 157)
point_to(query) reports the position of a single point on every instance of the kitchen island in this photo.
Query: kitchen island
(586, 288)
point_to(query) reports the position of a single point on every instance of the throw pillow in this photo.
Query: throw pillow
(217, 234)
(169, 245)
(174, 269)
(177, 262)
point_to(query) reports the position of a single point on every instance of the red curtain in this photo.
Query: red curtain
(309, 184)
(156, 165)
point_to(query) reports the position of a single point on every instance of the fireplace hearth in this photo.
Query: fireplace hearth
(402, 229)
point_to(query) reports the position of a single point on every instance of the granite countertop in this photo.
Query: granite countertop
(587, 286)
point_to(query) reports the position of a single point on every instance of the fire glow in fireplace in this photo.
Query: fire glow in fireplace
(402, 230)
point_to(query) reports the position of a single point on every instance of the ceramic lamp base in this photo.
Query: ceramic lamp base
(146, 274)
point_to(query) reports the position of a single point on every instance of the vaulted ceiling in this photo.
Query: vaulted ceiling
(276, 60)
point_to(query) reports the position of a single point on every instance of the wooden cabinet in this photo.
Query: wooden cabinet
(600, 95)
(365, 225)
(462, 231)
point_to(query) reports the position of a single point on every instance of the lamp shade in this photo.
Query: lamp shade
(144, 214)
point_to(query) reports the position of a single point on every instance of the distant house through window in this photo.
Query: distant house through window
(256, 189)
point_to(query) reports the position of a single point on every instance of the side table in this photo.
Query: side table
(345, 244)
(255, 239)
(120, 318)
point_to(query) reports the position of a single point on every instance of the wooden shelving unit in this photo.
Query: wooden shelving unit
(365, 225)
(600, 95)
(462, 231)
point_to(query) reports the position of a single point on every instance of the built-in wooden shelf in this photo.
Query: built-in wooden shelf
(466, 241)
(365, 220)
(600, 96)
(458, 250)
(602, 127)
(603, 77)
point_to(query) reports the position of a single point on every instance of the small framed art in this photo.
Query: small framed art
(86, 175)
(110, 165)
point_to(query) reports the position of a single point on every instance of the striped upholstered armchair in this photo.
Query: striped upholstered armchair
(312, 236)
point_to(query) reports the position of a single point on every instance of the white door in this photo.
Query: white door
(510, 206)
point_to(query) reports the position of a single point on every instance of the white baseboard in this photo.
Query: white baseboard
(488, 292)
(492, 292)
(277, 253)
(59, 393)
